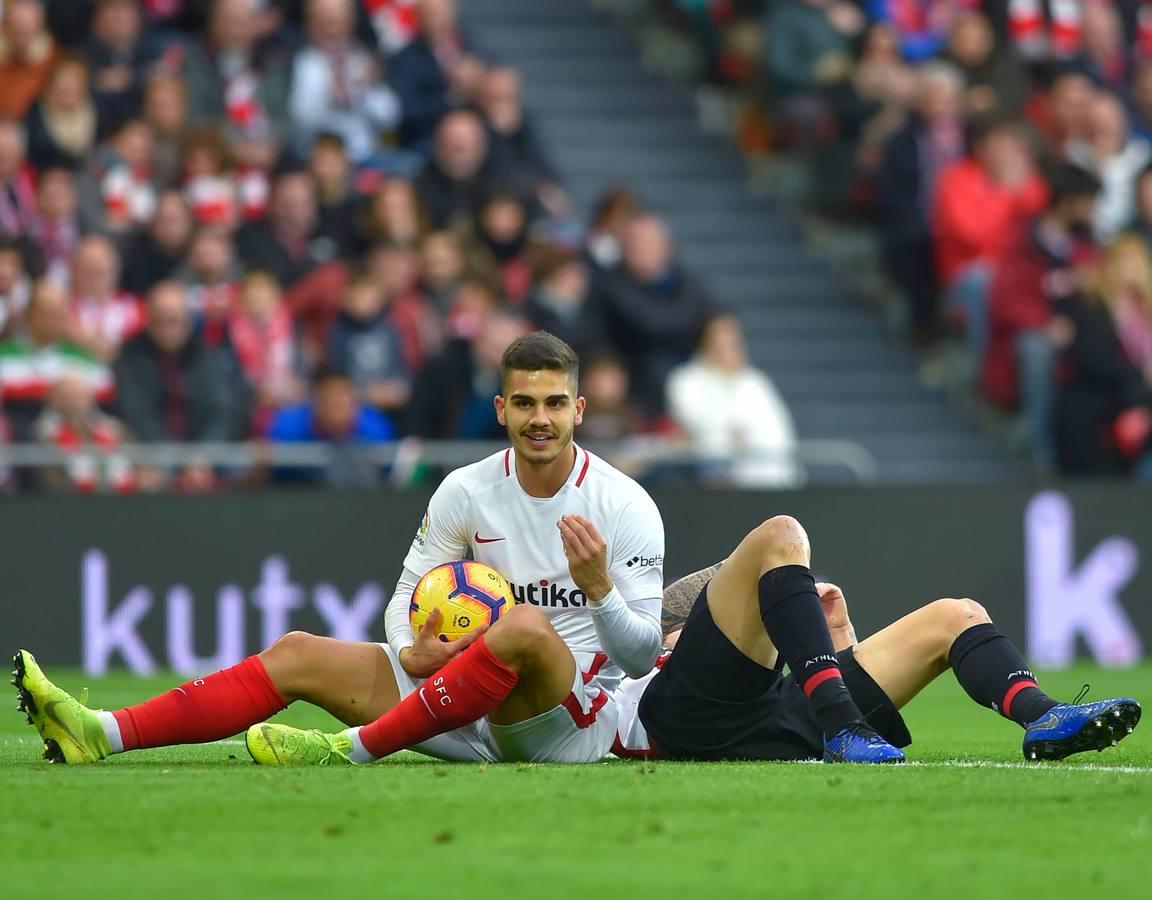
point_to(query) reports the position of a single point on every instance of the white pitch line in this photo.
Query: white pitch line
(1029, 767)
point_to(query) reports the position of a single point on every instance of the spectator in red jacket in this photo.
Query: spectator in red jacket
(1038, 270)
(981, 202)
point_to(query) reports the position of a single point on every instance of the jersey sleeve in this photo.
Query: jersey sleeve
(636, 555)
(442, 537)
(627, 621)
(443, 534)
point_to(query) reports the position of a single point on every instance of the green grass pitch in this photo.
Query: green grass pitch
(966, 819)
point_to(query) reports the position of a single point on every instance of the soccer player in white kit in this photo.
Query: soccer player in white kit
(539, 684)
(583, 546)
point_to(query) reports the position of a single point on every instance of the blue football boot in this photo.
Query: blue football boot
(858, 743)
(1075, 727)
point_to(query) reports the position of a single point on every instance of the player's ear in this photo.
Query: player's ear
(580, 404)
(498, 402)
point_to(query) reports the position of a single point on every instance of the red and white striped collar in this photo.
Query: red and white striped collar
(579, 470)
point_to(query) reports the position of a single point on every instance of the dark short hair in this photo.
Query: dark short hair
(540, 350)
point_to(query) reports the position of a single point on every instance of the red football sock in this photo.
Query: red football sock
(466, 689)
(210, 708)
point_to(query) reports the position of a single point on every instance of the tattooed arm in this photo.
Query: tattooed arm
(680, 595)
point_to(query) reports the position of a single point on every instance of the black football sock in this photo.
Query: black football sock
(994, 674)
(794, 620)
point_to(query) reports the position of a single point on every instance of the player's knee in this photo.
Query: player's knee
(781, 541)
(956, 614)
(523, 629)
(288, 659)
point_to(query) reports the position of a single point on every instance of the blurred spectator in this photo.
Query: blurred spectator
(74, 424)
(172, 387)
(609, 415)
(1062, 113)
(502, 226)
(614, 209)
(1114, 157)
(461, 172)
(154, 255)
(63, 124)
(732, 413)
(166, 112)
(58, 227)
(981, 203)
(395, 269)
(452, 397)
(338, 206)
(364, 344)
(931, 140)
(1104, 404)
(17, 186)
(33, 361)
(921, 25)
(654, 309)
(207, 176)
(995, 81)
(121, 192)
(15, 287)
(287, 242)
(393, 215)
(1038, 270)
(334, 417)
(875, 102)
(121, 55)
(260, 331)
(515, 148)
(27, 55)
(561, 302)
(103, 317)
(444, 266)
(808, 44)
(337, 85)
(211, 278)
(430, 69)
(232, 80)
(1104, 48)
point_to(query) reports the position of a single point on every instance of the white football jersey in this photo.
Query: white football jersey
(482, 508)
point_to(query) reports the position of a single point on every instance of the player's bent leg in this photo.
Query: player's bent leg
(906, 656)
(958, 633)
(525, 641)
(352, 680)
(733, 593)
(468, 688)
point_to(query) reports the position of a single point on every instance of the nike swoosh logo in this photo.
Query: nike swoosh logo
(480, 540)
(50, 713)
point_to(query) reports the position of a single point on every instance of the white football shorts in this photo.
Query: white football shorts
(581, 729)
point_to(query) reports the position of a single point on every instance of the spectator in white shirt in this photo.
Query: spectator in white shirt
(732, 413)
(337, 85)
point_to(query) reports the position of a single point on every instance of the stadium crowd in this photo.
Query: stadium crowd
(1002, 151)
(322, 220)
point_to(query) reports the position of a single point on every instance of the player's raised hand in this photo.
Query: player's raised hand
(587, 555)
(428, 653)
